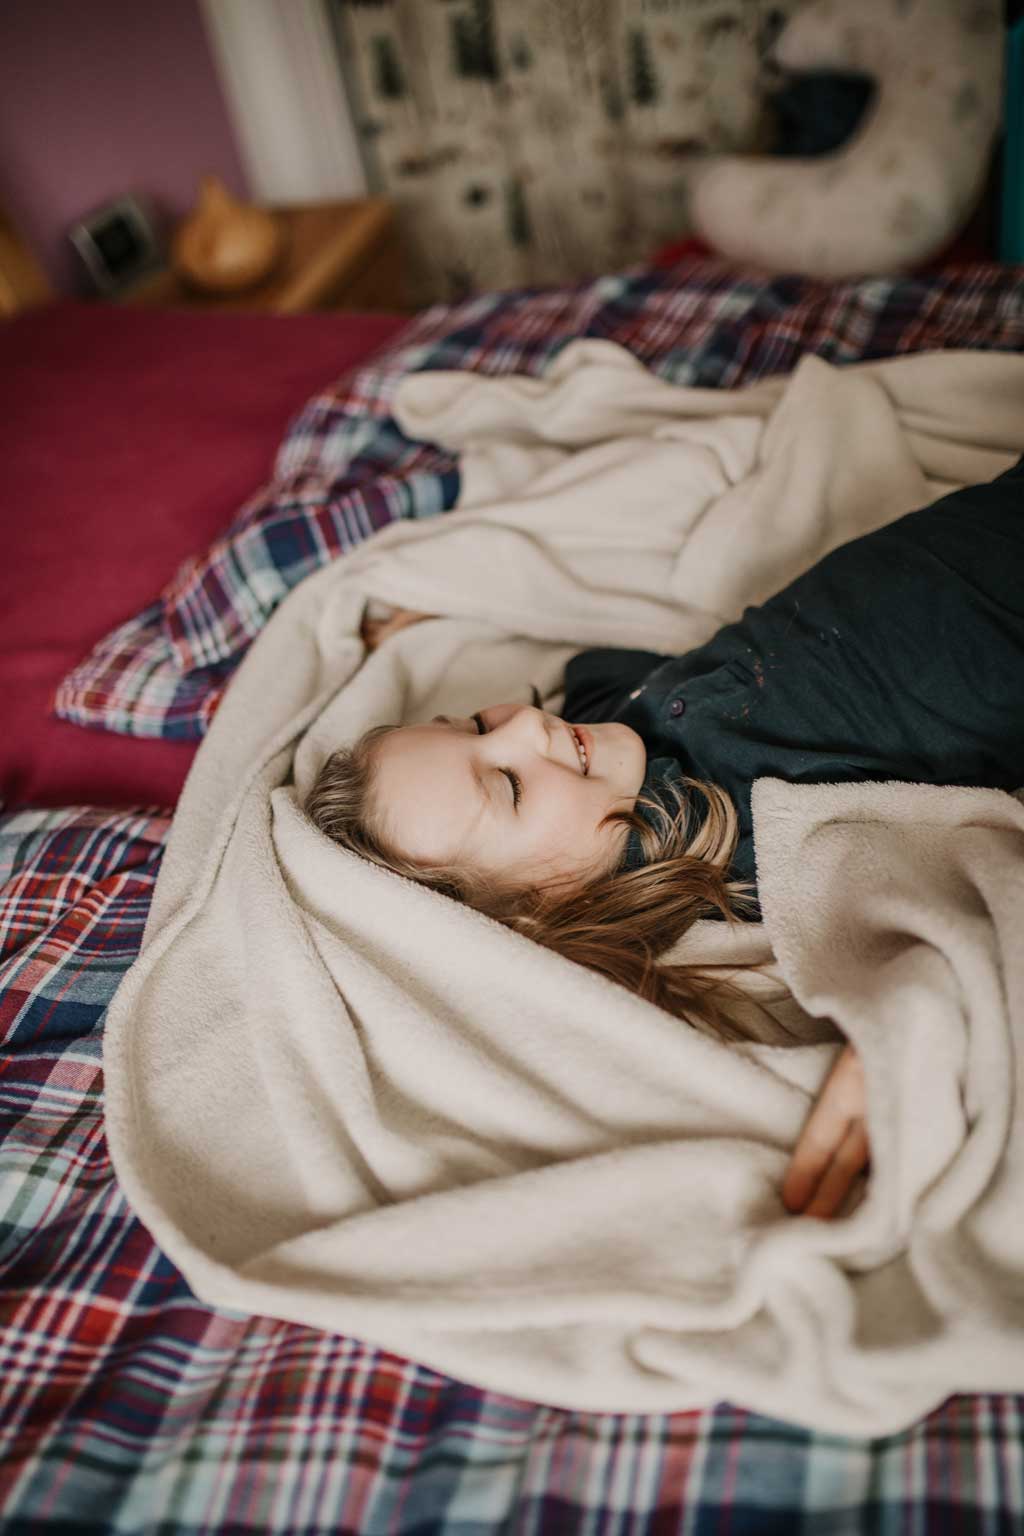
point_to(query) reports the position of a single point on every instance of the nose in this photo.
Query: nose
(524, 726)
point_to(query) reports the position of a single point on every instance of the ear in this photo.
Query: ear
(907, 180)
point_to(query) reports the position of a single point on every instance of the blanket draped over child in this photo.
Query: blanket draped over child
(337, 1098)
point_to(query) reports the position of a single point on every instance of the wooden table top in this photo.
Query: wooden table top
(324, 244)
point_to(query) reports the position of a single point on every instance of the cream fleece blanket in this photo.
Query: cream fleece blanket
(336, 1098)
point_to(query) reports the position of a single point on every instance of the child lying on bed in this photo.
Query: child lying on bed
(898, 656)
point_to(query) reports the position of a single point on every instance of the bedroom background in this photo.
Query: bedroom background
(527, 142)
(168, 474)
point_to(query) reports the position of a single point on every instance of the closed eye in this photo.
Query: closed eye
(517, 788)
(513, 778)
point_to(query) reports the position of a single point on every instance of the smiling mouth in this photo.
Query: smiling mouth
(581, 750)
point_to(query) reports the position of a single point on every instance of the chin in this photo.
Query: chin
(632, 753)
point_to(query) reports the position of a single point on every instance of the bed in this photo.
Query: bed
(168, 478)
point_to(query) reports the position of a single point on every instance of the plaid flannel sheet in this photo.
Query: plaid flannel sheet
(345, 469)
(127, 1405)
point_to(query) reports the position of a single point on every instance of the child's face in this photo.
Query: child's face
(447, 794)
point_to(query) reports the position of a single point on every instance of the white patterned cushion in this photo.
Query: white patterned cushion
(904, 184)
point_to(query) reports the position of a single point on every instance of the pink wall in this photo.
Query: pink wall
(99, 98)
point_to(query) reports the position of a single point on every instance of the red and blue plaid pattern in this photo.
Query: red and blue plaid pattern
(128, 1405)
(345, 469)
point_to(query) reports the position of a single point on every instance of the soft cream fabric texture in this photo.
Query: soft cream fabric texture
(337, 1098)
(903, 185)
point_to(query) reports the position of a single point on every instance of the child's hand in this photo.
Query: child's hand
(833, 1147)
(375, 631)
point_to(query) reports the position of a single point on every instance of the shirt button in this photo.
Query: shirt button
(677, 707)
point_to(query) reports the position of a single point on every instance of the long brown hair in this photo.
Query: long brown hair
(618, 924)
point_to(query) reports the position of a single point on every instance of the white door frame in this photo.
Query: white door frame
(278, 68)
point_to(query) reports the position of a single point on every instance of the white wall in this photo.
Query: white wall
(279, 71)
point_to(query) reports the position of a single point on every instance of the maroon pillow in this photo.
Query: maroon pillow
(128, 438)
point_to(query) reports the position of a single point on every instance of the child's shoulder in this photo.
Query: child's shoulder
(598, 680)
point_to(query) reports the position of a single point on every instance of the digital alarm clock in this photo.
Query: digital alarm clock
(118, 243)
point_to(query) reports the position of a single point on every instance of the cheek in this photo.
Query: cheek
(573, 810)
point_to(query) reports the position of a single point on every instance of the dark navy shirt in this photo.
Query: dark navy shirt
(900, 655)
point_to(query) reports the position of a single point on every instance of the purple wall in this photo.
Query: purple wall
(99, 98)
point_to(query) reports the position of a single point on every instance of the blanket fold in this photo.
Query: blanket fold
(337, 1098)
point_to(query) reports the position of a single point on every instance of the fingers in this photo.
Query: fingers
(398, 621)
(833, 1147)
(375, 631)
(403, 618)
(817, 1184)
(818, 1143)
(800, 1183)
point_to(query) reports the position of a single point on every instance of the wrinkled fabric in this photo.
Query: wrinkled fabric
(898, 656)
(336, 1097)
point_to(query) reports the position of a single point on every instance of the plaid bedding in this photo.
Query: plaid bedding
(127, 1405)
(345, 469)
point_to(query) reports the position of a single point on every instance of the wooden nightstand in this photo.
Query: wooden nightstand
(337, 256)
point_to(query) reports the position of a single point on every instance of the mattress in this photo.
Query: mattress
(128, 438)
